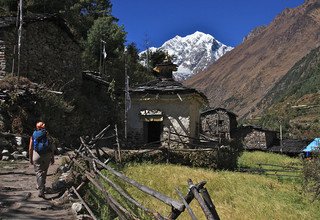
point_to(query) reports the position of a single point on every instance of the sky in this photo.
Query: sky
(229, 21)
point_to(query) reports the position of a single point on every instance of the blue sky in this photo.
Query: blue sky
(227, 20)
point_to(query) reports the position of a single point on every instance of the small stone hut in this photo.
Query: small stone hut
(49, 52)
(218, 123)
(256, 138)
(164, 112)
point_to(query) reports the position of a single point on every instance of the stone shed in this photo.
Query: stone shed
(164, 112)
(218, 123)
(49, 52)
(256, 138)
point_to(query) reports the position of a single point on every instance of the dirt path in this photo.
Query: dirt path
(19, 197)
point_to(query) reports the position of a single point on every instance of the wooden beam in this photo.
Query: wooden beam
(165, 199)
(202, 203)
(128, 197)
(188, 198)
(117, 207)
(186, 204)
(206, 197)
(84, 203)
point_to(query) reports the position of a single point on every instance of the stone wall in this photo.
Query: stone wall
(256, 139)
(179, 117)
(216, 125)
(2, 59)
(49, 54)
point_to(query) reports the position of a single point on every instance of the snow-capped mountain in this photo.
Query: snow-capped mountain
(193, 53)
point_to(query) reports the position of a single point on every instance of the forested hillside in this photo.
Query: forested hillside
(295, 100)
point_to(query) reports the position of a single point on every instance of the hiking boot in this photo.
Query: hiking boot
(41, 194)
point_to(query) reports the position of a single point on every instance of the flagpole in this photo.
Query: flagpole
(19, 36)
(100, 68)
(126, 95)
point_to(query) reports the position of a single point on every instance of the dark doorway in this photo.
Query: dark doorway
(153, 130)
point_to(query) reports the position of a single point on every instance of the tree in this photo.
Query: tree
(137, 72)
(79, 14)
(113, 36)
(7, 7)
(155, 57)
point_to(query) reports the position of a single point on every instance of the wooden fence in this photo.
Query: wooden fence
(92, 160)
(275, 170)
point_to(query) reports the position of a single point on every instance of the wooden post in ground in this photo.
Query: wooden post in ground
(118, 144)
(207, 199)
(202, 203)
(188, 198)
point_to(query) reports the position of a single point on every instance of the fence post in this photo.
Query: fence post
(118, 144)
(202, 203)
(206, 197)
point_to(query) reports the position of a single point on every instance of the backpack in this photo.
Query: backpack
(40, 141)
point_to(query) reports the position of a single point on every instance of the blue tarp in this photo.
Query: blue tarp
(313, 146)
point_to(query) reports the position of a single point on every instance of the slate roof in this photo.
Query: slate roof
(164, 86)
(253, 127)
(290, 146)
(211, 110)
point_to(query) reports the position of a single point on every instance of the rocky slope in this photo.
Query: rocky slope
(241, 78)
(193, 53)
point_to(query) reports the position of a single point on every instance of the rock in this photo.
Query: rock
(19, 141)
(76, 207)
(5, 152)
(14, 152)
(60, 150)
(64, 168)
(83, 217)
(18, 156)
(5, 158)
(24, 153)
(59, 185)
(4, 143)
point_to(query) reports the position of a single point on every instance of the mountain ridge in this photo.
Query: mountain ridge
(193, 53)
(241, 78)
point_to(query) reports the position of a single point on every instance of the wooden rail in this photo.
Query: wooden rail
(274, 170)
(91, 163)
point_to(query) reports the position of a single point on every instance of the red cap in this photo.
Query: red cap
(40, 125)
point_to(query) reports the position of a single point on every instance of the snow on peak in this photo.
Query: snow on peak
(193, 53)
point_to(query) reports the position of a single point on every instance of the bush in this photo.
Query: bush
(311, 175)
(223, 157)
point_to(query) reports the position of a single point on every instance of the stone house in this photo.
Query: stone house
(49, 52)
(256, 138)
(218, 124)
(164, 112)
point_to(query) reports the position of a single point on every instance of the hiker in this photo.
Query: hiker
(40, 155)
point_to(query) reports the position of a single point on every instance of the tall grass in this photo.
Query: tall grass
(236, 195)
(252, 159)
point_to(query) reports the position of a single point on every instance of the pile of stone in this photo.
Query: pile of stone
(13, 147)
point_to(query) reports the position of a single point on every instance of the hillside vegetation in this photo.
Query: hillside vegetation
(295, 100)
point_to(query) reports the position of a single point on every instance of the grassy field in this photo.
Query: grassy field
(236, 195)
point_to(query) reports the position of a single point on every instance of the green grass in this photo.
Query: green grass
(236, 195)
(252, 159)
(278, 166)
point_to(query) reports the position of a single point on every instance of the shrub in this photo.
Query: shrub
(311, 175)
